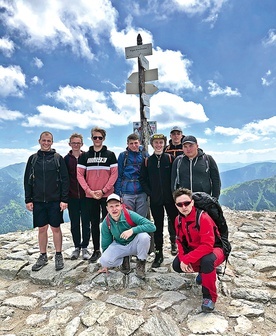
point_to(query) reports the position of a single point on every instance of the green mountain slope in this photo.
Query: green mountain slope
(253, 195)
(13, 213)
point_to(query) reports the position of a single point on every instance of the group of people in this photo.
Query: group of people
(96, 187)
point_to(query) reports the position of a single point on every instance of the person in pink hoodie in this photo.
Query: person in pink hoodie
(97, 172)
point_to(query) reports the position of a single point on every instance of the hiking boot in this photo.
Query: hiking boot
(85, 254)
(59, 264)
(141, 269)
(41, 262)
(173, 249)
(75, 254)
(158, 259)
(207, 306)
(125, 267)
(198, 279)
(95, 256)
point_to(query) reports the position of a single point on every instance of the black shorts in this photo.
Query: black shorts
(47, 213)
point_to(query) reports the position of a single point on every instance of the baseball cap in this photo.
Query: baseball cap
(190, 139)
(114, 197)
(176, 128)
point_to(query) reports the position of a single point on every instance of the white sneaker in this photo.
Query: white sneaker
(85, 254)
(75, 254)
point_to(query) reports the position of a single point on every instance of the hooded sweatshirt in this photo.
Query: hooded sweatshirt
(97, 171)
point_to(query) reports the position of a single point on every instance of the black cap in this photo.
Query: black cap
(189, 139)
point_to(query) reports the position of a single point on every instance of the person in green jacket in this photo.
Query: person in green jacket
(124, 233)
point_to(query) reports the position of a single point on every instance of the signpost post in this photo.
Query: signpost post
(138, 85)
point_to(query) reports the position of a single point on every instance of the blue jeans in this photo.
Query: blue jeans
(114, 254)
(137, 203)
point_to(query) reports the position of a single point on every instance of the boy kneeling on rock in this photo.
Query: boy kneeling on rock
(124, 233)
(198, 248)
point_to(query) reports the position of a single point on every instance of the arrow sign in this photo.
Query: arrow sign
(144, 62)
(150, 75)
(135, 51)
(133, 88)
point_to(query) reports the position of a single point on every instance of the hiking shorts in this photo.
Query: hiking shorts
(47, 213)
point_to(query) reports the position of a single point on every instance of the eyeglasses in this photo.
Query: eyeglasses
(181, 204)
(76, 143)
(97, 137)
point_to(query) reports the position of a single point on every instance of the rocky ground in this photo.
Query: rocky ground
(79, 301)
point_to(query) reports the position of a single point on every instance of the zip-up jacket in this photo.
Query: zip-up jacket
(117, 228)
(50, 183)
(129, 167)
(75, 189)
(198, 174)
(97, 171)
(193, 243)
(174, 150)
(155, 178)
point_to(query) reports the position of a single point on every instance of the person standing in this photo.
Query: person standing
(46, 185)
(199, 246)
(195, 170)
(128, 185)
(77, 205)
(97, 172)
(155, 179)
(175, 144)
(122, 239)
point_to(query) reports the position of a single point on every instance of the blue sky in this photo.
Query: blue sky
(63, 69)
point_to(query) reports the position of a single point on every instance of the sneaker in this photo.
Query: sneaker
(173, 249)
(59, 264)
(75, 254)
(41, 262)
(198, 279)
(158, 259)
(85, 254)
(95, 256)
(207, 306)
(125, 267)
(141, 269)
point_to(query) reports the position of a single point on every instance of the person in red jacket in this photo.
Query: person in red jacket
(199, 246)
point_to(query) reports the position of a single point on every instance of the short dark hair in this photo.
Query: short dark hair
(182, 191)
(100, 130)
(46, 133)
(133, 136)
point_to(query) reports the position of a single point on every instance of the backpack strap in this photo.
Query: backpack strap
(198, 216)
(206, 159)
(127, 217)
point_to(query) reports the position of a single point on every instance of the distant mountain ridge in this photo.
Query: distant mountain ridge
(255, 195)
(260, 170)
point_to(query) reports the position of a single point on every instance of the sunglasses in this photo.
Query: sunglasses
(97, 137)
(158, 136)
(181, 204)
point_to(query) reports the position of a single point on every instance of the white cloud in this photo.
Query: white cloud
(215, 90)
(255, 131)
(267, 80)
(36, 80)
(270, 39)
(38, 63)
(12, 81)
(84, 108)
(247, 155)
(52, 23)
(6, 46)
(6, 114)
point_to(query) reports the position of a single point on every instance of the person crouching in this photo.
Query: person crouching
(124, 233)
(198, 248)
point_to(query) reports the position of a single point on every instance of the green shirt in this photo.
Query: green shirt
(116, 229)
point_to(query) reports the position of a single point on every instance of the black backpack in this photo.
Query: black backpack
(209, 204)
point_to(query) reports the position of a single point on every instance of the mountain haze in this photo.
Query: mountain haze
(260, 170)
